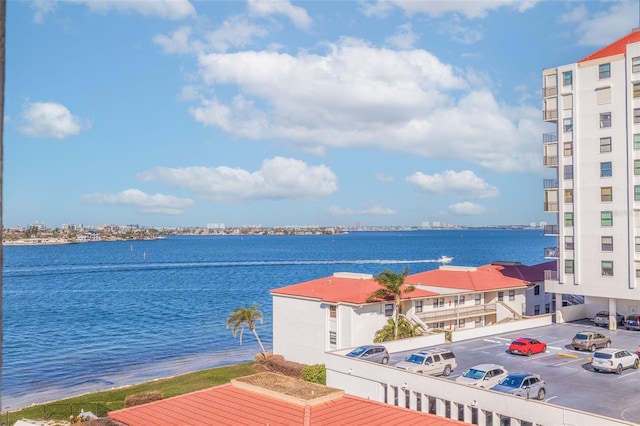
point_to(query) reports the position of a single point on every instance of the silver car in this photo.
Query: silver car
(373, 353)
(614, 360)
(527, 385)
(483, 375)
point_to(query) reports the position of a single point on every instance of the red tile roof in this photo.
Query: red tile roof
(617, 47)
(483, 278)
(336, 289)
(230, 405)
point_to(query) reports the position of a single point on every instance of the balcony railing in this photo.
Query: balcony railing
(550, 160)
(550, 114)
(551, 230)
(550, 275)
(551, 206)
(439, 315)
(550, 137)
(549, 91)
(550, 183)
(551, 252)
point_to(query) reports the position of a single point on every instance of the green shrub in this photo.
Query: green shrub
(315, 374)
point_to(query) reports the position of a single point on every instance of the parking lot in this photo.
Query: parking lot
(570, 380)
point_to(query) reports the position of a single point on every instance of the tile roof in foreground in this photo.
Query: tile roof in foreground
(342, 287)
(616, 48)
(238, 403)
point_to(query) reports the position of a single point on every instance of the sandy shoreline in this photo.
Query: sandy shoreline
(151, 372)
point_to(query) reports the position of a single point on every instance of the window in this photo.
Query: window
(500, 296)
(438, 302)
(637, 244)
(568, 266)
(478, 321)
(461, 323)
(568, 148)
(568, 125)
(418, 305)
(478, 299)
(568, 219)
(635, 64)
(637, 273)
(568, 171)
(605, 119)
(606, 218)
(606, 243)
(636, 192)
(636, 115)
(547, 308)
(567, 78)
(567, 102)
(607, 268)
(605, 169)
(568, 195)
(536, 290)
(636, 167)
(603, 95)
(461, 300)
(512, 295)
(568, 242)
(636, 90)
(536, 310)
(388, 310)
(605, 144)
(604, 71)
(636, 141)
(606, 194)
(332, 338)
(332, 311)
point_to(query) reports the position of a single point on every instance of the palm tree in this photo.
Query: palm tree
(392, 287)
(241, 317)
(405, 330)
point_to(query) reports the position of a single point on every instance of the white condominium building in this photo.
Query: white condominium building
(595, 105)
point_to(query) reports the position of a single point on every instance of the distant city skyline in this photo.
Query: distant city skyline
(285, 113)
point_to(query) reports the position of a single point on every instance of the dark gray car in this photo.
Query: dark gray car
(373, 353)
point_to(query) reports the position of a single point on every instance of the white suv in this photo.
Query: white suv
(433, 362)
(614, 360)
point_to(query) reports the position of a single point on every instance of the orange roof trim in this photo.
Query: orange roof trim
(616, 48)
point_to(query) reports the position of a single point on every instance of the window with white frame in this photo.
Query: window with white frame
(606, 218)
(567, 78)
(512, 295)
(605, 144)
(636, 90)
(568, 171)
(606, 243)
(636, 141)
(636, 115)
(332, 311)
(461, 323)
(478, 321)
(636, 193)
(388, 310)
(606, 194)
(567, 125)
(604, 71)
(417, 305)
(568, 219)
(636, 167)
(607, 268)
(332, 338)
(603, 95)
(500, 296)
(605, 119)
(568, 196)
(568, 266)
(568, 242)
(635, 64)
(568, 149)
(637, 245)
(606, 169)
(461, 298)
(478, 299)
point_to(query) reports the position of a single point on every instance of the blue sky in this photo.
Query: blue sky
(278, 113)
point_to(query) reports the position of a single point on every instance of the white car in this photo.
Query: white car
(614, 360)
(483, 375)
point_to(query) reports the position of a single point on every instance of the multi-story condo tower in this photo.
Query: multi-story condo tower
(595, 105)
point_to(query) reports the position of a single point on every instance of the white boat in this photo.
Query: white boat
(445, 259)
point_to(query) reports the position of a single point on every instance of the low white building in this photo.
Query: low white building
(332, 313)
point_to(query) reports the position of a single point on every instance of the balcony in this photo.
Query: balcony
(550, 160)
(550, 115)
(551, 230)
(551, 207)
(550, 183)
(551, 252)
(550, 137)
(443, 315)
(548, 92)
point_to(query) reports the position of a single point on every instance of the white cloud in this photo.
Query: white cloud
(144, 203)
(278, 178)
(167, 9)
(461, 184)
(41, 9)
(404, 38)
(382, 177)
(374, 210)
(356, 95)
(470, 9)
(609, 24)
(50, 120)
(297, 15)
(466, 209)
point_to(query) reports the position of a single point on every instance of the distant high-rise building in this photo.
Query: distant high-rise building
(595, 196)
(215, 226)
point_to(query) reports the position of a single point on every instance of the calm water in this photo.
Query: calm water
(85, 317)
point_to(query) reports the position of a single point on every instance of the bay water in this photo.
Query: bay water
(86, 317)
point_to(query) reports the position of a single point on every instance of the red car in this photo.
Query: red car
(527, 346)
